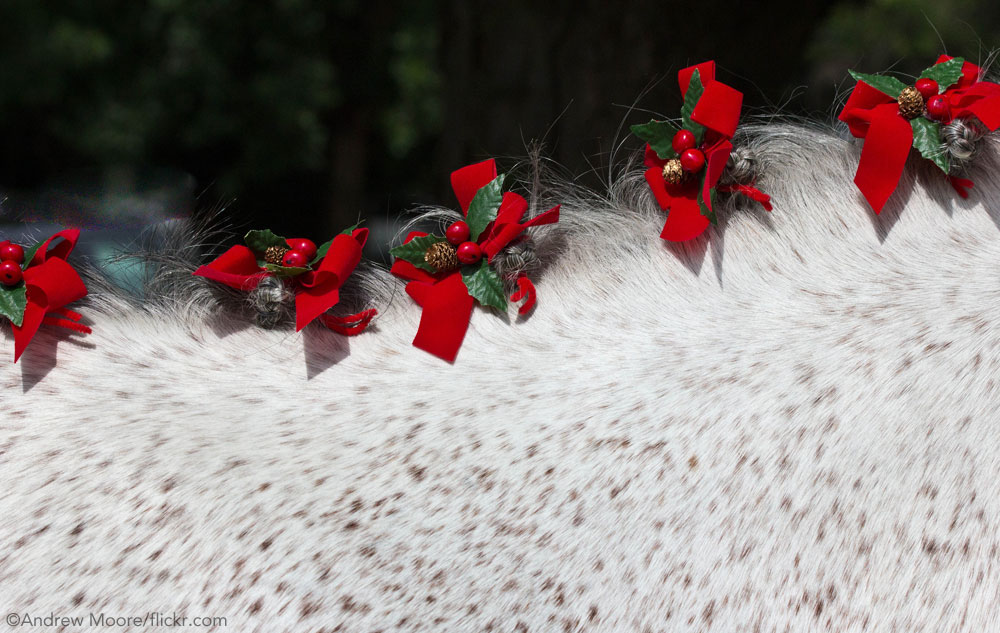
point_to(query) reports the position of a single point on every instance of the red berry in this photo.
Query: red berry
(692, 160)
(304, 246)
(457, 233)
(938, 109)
(927, 88)
(10, 273)
(684, 139)
(295, 259)
(11, 252)
(469, 253)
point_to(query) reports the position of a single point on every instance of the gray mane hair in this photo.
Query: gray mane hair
(160, 281)
(780, 158)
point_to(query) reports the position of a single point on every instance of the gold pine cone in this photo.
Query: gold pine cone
(911, 103)
(441, 255)
(673, 173)
(274, 254)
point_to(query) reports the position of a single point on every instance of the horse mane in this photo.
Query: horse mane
(807, 168)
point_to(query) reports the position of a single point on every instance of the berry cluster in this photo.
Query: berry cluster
(458, 236)
(936, 104)
(301, 253)
(691, 159)
(11, 258)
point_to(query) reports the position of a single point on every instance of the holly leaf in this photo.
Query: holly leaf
(260, 241)
(705, 211)
(284, 271)
(29, 254)
(883, 83)
(323, 249)
(484, 284)
(946, 73)
(484, 206)
(413, 251)
(350, 229)
(927, 140)
(691, 97)
(659, 135)
(13, 301)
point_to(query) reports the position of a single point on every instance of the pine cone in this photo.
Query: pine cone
(673, 173)
(274, 254)
(441, 255)
(911, 103)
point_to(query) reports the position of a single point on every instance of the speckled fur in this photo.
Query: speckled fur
(791, 425)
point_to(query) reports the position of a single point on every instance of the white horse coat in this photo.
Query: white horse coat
(789, 424)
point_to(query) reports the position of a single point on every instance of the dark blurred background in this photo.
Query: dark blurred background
(305, 115)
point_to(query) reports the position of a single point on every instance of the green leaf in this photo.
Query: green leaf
(350, 229)
(322, 250)
(29, 254)
(927, 140)
(945, 73)
(659, 135)
(705, 211)
(484, 284)
(883, 83)
(13, 301)
(260, 241)
(284, 271)
(413, 251)
(691, 97)
(484, 206)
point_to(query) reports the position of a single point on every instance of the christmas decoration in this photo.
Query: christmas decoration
(447, 290)
(686, 163)
(275, 254)
(39, 282)
(442, 257)
(316, 281)
(883, 110)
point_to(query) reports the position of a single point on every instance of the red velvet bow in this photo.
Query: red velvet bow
(446, 302)
(465, 182)
(50, 284)
(971, 97)
(718, 110)
(316, 291)
(874, 116)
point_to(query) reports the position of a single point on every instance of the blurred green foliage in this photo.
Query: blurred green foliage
(903, 35)
(313, 113)
(244, 94)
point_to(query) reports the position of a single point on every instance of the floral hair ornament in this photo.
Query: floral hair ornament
(314, 274)
(892, 117)
(38, 282)
(448, 274)
(685, 165)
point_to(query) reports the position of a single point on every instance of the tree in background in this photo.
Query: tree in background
(312, 113)
(279, 103)
(905, 35)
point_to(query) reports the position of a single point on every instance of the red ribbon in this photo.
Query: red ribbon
(316, 291)
(50, 283)
(749, 191)
(718, 110)
(960, 185)
(524, 289)
(445, 301)
(446, 307)
(874, 116)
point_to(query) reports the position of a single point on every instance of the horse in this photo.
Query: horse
(787, 424)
